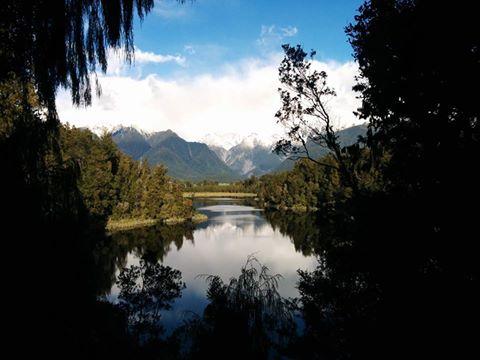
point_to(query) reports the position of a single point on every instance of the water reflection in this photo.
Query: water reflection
(220, 246)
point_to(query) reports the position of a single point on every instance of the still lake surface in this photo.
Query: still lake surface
(235, 229)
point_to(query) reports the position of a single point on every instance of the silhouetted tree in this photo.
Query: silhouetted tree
(245, 318)
(304, 94)
(62, 43)
(145, 291)
(396, 266)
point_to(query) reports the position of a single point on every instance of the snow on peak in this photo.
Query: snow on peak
(226, 140)
(229, 140)
(254, 140)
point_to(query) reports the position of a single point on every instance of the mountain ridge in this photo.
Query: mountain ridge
(184, 160)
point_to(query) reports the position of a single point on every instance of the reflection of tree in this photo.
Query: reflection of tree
(154, 242)
(301, 228)
(151, 244)
(246, 318)
(145, 291)
(381, 285)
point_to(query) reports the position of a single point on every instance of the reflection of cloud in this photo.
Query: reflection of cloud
(222, 248)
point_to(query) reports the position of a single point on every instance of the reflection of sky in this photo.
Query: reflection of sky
(221, 247)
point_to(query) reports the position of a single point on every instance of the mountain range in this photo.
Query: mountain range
(194, 161)
(346, 137)
(184, 160)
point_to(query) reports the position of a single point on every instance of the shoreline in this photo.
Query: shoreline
(215, 194)
(136, 223)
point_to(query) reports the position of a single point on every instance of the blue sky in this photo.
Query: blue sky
(220, 31)
(210, 67)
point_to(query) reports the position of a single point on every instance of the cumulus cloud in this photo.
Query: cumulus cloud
(240, 98)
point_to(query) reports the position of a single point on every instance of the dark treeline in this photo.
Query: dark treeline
(398, 271)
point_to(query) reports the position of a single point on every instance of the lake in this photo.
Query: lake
(235, 229)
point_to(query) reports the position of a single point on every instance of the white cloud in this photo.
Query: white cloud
(289, 31)
(240, 98)
(271, 36)
(142, 57)
(117, 64)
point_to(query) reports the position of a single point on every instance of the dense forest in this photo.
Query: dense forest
(114, 186)
(397, 273)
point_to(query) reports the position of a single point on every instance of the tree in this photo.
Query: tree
(62, 43)
(303, 113)
(145, 291)
(417, 60)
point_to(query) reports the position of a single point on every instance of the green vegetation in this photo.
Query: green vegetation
(210, 186)
(127, 192)
(128, 224)
(218, 194)
(307, 187)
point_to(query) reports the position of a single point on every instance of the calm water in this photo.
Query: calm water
(220, 246)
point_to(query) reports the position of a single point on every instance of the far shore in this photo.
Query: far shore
(135, 223)
(219, 194)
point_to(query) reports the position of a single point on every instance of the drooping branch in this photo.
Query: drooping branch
(61, 43)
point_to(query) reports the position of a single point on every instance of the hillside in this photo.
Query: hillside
(346, 137)
(184, 160)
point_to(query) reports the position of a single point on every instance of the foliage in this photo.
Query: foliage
(145, 291)
(62, 44)
(245, 186)
(246, 314)
(97, 159)
(396, 269)
(304, 93)
(306, 187)
(113, 185)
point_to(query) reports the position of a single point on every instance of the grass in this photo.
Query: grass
(218, 194)
(129, 224)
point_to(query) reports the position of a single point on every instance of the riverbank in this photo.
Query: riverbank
(135, 223)
(218, 195)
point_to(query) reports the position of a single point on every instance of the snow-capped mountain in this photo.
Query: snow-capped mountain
(247, 155)
(229, 140)
(252, 157)
(183, 159)
(226, 141)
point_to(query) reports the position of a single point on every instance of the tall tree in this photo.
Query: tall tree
(304, 93)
